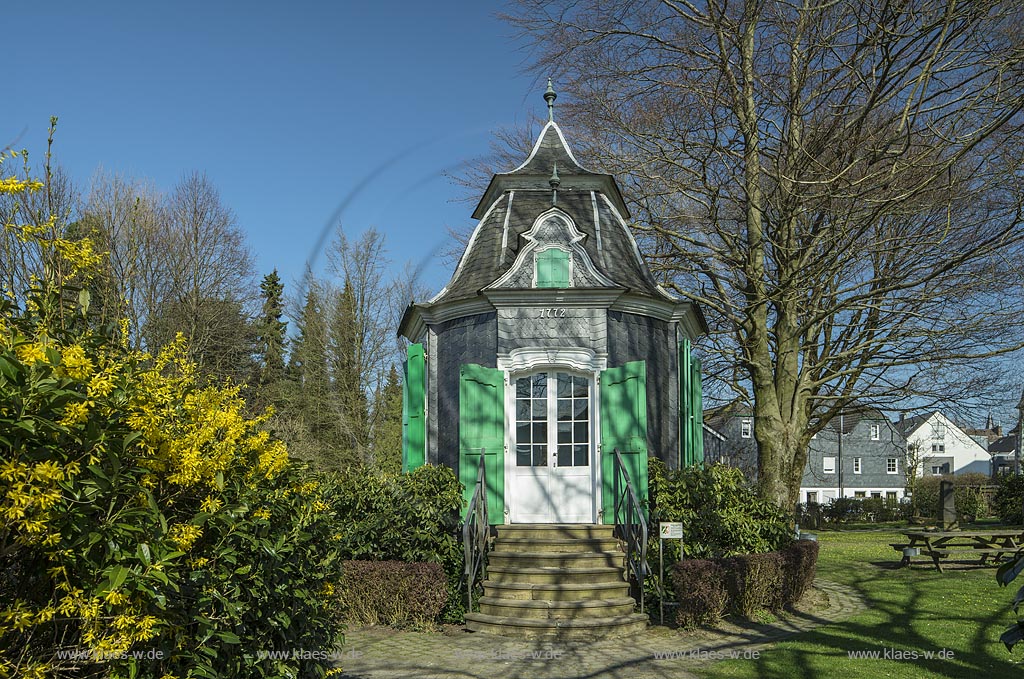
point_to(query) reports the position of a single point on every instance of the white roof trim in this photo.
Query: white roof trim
(504, 228)
(532, 246)
(632, 241)
(469, 247)
(540, 138)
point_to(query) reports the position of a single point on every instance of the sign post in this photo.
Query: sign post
(667, 530)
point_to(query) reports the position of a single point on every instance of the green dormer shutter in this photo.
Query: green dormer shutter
(552, 268)
(414, 424)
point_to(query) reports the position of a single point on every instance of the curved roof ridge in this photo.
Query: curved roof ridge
(551, 124)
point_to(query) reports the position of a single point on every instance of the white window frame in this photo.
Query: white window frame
(856, 465)
(746, 428)
(827, 462)
(892, 465)
(876, 431)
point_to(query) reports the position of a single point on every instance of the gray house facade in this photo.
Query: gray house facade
(859, 454)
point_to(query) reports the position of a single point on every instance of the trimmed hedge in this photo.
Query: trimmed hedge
(799, 570)
(970, 503)
(755, 582)
(701, 590)
(392, 592)
(743, 584)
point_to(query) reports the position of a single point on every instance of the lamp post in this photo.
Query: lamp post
(841, 454)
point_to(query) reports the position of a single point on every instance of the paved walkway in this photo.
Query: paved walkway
(381, 653)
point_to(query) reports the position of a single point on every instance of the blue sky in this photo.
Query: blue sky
(287, 107)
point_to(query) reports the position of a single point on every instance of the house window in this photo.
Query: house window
(876, 494)
(890, 496)
(746, 428)
(856, 465)
(938, 448)
(812, 497)
(891, 466)
(829, 465)
(552, 268)
(858, 493)
(876, 432)
(936, 470)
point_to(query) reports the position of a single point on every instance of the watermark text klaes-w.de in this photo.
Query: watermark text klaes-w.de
(708, 654)
(903, 654)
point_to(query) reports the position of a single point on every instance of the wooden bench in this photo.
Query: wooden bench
(943, 544)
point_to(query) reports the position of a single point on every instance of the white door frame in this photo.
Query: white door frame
(581, 362)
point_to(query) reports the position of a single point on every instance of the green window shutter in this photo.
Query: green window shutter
(552, 268)
(697, 402)
(414, 423)
(623, 426)
(691, 408)
(482, 427)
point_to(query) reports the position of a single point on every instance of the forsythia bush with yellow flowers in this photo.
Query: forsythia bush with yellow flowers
(149, 528)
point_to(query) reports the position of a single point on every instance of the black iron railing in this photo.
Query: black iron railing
(631, 526)
(476, 532)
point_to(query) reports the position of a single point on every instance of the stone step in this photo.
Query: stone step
(558, 628)
(548, 531)
(541, 544)
(531, 608)
(554, 575)
(556, 592)
(556, 559)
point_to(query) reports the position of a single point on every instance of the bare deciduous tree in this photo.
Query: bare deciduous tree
(838, 185)
(124, 216)
(210, 284)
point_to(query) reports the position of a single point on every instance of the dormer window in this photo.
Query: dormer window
(552, 267)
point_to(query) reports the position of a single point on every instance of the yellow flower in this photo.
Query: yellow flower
(31, 353)
(210, 504)
(262, 513)
(75, 363)
(75, 413)
(184, 535)
(100, 386)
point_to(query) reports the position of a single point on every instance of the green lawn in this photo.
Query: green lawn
(911, 609)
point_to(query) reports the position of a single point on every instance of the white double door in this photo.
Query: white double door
(552, 433)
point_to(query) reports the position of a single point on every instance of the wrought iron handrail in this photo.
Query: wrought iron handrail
(475, 534)
(631, 525)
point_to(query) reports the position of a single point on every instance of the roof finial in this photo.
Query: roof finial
(550, 97)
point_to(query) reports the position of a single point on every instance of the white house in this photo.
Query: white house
(942, 446)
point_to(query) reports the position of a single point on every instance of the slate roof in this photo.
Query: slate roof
(907, 425)
(491, 251)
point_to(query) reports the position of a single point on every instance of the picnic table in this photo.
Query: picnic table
(940, 544)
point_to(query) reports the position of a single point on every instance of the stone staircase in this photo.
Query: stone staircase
(556, 581)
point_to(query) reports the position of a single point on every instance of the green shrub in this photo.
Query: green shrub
(700, 588)
(149, 513)
(392, 593)
(857, 509)
(412, 517)
(720, 512)
(1009, 500)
